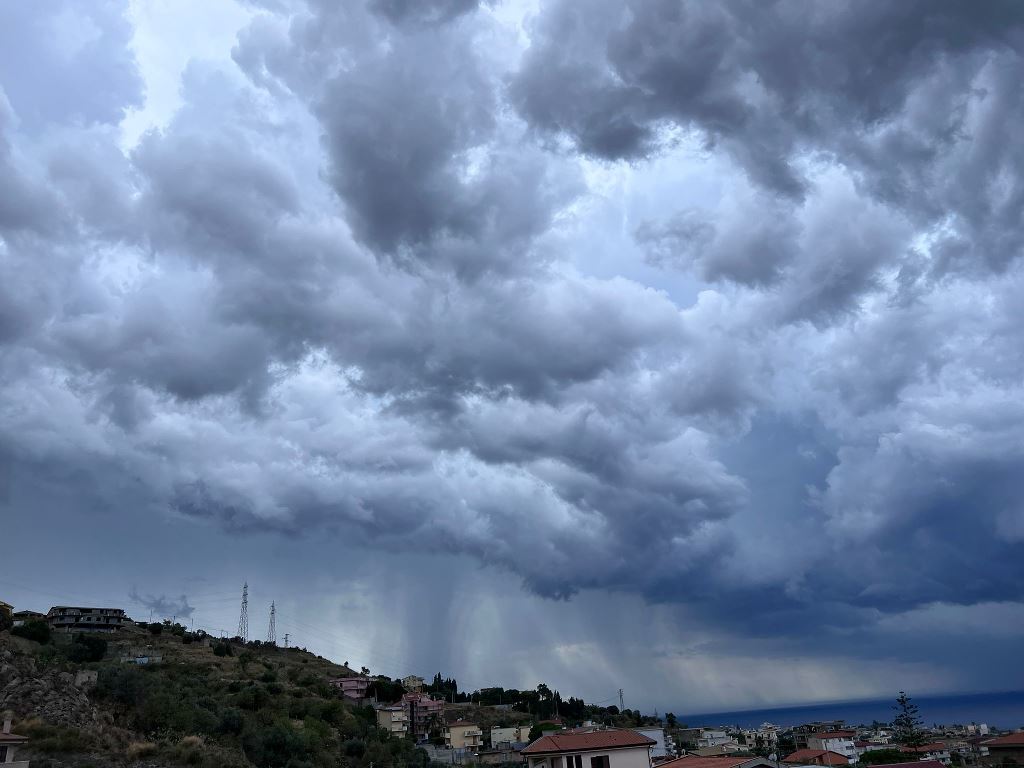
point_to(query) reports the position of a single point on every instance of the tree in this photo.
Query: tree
(87, 648)
(907, 723)
(670, 720)
(33, 630)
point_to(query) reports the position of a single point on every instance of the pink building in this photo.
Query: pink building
(352, 688)
(422, 712)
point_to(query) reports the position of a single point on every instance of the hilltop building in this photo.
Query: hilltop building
(353, 687)
(413, 683)
(63, 618)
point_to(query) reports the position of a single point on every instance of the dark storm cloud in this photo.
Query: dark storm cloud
(344, 289)
(163, 606)
(411, 10)
(892, 92)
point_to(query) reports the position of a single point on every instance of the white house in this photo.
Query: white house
(840, 742)
(620, 748)
(657, 735)
(517, 734)
(712, 737)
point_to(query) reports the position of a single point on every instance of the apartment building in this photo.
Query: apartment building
(463, 735)
(840, 742)
(515, 734)
(353, 688)
(65, 618)
(423, 713)
(393, 719)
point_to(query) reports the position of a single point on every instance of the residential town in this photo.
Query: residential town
(532, 729)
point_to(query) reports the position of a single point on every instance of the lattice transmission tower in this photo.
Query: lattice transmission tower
(272, 629)
(243, 619)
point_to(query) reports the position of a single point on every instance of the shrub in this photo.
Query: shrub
(156, 629)
(139, 749)
(33, 630)
(87, 648)
(222, 649)
(231, 721)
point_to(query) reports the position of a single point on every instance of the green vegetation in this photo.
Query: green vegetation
(225, 704)
(882, 757)
(33, 630)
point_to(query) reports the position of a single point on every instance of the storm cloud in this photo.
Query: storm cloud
(712, 306)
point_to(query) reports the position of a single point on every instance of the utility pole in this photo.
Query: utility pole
(272, 629)
(243, 619)
(621, 705)
(285, 639)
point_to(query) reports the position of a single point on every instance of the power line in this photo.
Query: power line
(243, 619)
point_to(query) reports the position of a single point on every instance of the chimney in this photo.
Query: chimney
(7, 725)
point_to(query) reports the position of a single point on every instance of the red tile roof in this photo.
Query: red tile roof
(935, 746)
(917, 764)
(1009, 740)
(833, 735)
(582, 742)
(810, 755)
(696, 761)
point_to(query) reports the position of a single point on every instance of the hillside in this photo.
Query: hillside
(259, 706)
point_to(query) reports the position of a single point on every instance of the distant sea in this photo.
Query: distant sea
(1002, 710)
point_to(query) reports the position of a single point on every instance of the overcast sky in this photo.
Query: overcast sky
(661, 345)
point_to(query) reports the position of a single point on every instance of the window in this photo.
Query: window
(574, 761)
(3, 754)
(601, 761)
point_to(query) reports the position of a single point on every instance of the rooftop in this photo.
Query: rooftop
(696, 761)
(582, 742)
(833, 735)
(1009, 740)
(916, 764)
(809, 755)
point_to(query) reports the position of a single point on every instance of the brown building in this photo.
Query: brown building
(1005, 750)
